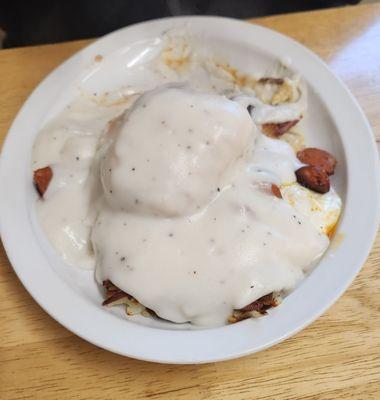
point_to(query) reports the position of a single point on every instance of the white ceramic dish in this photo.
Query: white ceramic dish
(335, 122)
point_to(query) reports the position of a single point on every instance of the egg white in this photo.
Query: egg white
(323, 210)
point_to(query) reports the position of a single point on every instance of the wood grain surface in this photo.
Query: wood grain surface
(337, 357)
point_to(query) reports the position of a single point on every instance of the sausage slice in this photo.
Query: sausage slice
(274, 81)
(42, 178)
(261, 305)
(313, 178)
(275, 130)
(276, 191)
(318, 158)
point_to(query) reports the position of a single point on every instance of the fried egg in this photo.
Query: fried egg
(322, 210)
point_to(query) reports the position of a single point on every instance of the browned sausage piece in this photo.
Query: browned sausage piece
(113, 294)
(42, 178)
(275, 130)
(276, 191)
(261, 305)
(274, 81)
(318, 158)
(313, 178)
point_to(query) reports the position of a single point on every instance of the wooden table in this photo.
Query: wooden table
(337, 357)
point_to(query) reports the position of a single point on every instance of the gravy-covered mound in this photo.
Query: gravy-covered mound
(189, 202)
(173, 150)
(187, 229)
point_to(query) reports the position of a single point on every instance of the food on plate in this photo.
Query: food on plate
(318, 158)
(193, 198)
(276, 130)
(313, 178)
(276, 191)
(323, 210)
(42, 178)
(173, 149)
(257, 308)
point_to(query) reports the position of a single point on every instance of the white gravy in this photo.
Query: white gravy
(172, 202)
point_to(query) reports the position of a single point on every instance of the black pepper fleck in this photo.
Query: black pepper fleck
(122, 259)
(171, 235)
(218, 189)
(77, 158)
(133, 169)
(188, 147)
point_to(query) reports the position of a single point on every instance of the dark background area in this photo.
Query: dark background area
(42, 21)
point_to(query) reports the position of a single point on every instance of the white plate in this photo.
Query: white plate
(70, 296)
